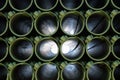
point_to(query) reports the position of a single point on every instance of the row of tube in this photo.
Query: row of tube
(61, 71)
(70, 48)
(46, 5)
(71, 23)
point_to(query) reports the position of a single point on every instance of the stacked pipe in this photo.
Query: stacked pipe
(59, 40)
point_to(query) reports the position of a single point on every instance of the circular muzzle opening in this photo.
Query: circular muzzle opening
(3, 72)
(3, 4)
(116, 3)
(116, 73)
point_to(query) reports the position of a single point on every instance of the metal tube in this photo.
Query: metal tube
(3, 4)
(116, 3)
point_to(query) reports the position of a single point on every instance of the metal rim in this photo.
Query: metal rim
(73, 12)
(114, 5)
(50, 14)
(107, 2)
(98, 12)
(74, 8)
(45, 9)
(17, 14)
(70, 38)
(109, 45)
(20, 9)
(47, 38)
(18, 60)
(4, 5)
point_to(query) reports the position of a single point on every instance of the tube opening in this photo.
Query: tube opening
(47, 72)
(22, 49)
(72, 49)
(98, 23)
(21, 24)
(72, 24)
(116, 3)
(98, 48)
(3, 72)
(47, 49)
(2, 3)
(117, 73)
(47, 24)
(73, 72)
(22, 72)
(99, 72)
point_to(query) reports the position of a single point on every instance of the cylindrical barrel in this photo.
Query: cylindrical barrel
(21, 24)
(3, 72)
(72, 23)
(22, 71)
(20, 5)
(3, 23)
(3, 49)
(21, 49)
(47, 71)
(72, 49)
(98, 71)
(116, 3)
(47, 49)
(3, 4)
(97, 4)
(98, 48)
(71, 4)
(46, 24)
(46, 5)
(115, 21)
(97, 22)
(73, 71)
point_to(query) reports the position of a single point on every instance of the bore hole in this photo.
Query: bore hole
(97, 23)
(116, 23)
(20, 4)
(3, 23)
(117, 3)
(116, 48)
(22, 49)
(98, 48)
(3, 72)
(117, 73)
(71, 4)
(47, 72)
(72, 24)
(21, 24)
(47, 49)
(22, 72)
(46, 4)
(2, 3)
(3, 49)
(72, 48)
(97, 3)
(99, 72)
(47, 24)
(73, 72)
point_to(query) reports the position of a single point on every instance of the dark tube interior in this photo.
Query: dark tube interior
(20, 4)
(21, 24)
(117, 73)
(98, 72)
(75, 48)
(46, 4)
(3, 73)
(22, 49)
(3, 23)
(71, 4)
(22, 72)
(47, 72)
(116, 23)
(2, 3)
(97, 23)
(116, 48)
(117, 3)
(98, 48)
(3, 49)
(47, 24)
(44, 49)
(72, 23)
(97, 3)
(73, 72)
